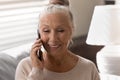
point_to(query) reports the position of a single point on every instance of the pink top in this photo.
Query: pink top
(84, 70)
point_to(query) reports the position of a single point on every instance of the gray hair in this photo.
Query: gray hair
(56, 9)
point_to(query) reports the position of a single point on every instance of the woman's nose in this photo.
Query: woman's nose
(53, 36)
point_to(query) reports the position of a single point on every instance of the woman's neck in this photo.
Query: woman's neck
(61, 63)
(57, 59)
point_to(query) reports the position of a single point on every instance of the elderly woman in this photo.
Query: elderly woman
(58, 62)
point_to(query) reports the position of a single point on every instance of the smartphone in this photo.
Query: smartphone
(39, 51)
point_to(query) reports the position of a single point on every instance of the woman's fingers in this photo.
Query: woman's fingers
(36, 45)
(35, 60)
(38, 41)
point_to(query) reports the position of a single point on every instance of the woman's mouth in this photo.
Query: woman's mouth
(54, 47)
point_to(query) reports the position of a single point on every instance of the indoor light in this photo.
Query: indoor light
(105, 30)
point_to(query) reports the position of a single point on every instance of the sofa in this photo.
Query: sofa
(10, 58)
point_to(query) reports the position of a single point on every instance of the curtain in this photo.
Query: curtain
(18, 22)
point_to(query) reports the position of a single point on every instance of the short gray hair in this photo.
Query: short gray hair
(48, 9)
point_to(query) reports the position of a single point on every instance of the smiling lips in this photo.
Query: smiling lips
(54, 46)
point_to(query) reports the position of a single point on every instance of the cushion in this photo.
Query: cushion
(7, 67)
(10, 58)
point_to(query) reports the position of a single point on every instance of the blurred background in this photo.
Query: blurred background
(19, 21)
(18, 30)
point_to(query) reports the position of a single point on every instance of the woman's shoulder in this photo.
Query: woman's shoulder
(25, 62)
(24, 68)
(85, 62)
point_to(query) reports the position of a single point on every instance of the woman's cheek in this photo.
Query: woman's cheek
(66, 39)
(44, 38)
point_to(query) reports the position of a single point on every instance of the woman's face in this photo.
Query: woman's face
(55, 31)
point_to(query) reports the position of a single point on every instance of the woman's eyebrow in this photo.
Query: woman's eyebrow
(46, 25)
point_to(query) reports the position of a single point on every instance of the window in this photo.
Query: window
(18, 21)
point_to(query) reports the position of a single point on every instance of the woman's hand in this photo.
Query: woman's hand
(36, 62)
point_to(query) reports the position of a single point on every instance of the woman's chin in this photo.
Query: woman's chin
(54, 52)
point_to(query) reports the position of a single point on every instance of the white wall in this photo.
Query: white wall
(82, 11)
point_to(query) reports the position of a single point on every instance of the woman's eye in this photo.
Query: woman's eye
(46, 30)
(60, 30)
